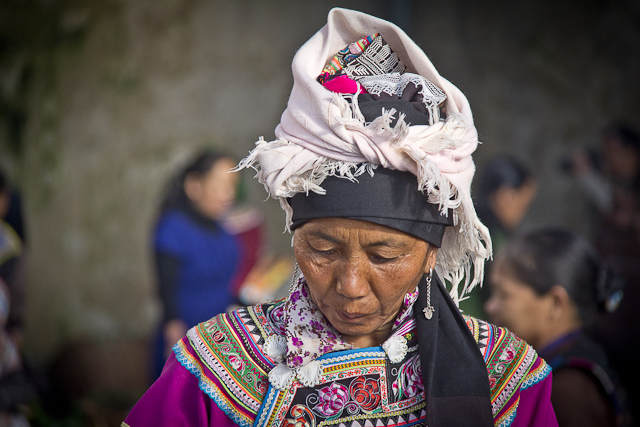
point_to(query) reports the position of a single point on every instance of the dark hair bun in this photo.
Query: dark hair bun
(609, 289)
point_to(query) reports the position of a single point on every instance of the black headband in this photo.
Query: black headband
(389, 198)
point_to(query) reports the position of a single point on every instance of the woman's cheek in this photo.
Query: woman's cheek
(315, 269)
(399, 274)
(318, 264)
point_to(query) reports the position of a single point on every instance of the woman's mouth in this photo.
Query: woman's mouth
(350, 317)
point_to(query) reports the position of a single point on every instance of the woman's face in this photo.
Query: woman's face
(621, 160)
(511, 204)
(359, 272)
(213, 193)
(516, 306)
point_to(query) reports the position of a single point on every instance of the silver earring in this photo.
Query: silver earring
(294, 278)
(428, 310)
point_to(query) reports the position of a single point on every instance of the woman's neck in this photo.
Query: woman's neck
(373, 339)
(556, 333)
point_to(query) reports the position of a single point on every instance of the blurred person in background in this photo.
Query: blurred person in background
(547, 286)
(610, 179)
(504, 192)
(15, 388)
(11, 262)
(11, 208)
(203, 247)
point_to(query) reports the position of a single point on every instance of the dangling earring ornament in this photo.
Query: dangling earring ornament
(294, 278)
(428, 310)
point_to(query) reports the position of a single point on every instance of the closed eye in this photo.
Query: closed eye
(323, 252)
(378, 259)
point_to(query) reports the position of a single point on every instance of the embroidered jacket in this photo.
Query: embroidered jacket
(358, 387)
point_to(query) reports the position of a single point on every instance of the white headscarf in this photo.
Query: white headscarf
(321, 134)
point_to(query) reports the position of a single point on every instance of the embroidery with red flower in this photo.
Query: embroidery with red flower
(365, 392)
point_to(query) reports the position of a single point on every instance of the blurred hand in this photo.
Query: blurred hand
(174, 330)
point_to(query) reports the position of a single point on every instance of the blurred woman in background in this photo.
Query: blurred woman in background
(199, 245)
(505, 191)
(546, 287)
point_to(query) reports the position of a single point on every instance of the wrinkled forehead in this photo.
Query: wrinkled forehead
(334, 227)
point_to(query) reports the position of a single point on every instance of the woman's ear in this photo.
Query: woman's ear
(192, 186)
(559, 302)
(432, 251)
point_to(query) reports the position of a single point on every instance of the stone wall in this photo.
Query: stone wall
(101, 101)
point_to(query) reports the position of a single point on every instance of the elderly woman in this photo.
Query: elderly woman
(372, 164)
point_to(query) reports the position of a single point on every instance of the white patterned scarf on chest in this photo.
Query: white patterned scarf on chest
(309, 335)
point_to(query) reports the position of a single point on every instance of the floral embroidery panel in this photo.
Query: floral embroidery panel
(356, 389)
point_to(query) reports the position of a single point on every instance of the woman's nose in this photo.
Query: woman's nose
(352, 281)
